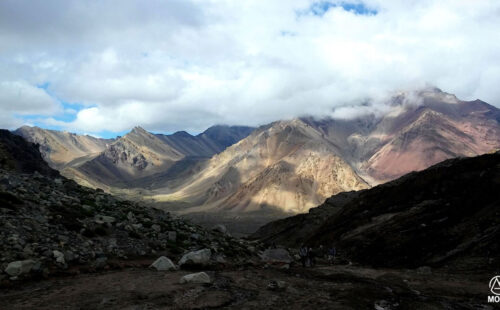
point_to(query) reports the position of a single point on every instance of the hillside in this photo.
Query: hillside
(50, 225)
(291, 166)
(444, 215)
(285, 166)
(62, 148)
(130, 160)
(421, 131)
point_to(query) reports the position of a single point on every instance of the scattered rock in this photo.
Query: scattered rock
(201, 257)
(103, 219)
(275, 285)
(220, 228)
(163, 264)
(172, 236)
(101, 262)
(63, 225)
(59, 256)
(200, 277)
(384, 305)
(17, 268)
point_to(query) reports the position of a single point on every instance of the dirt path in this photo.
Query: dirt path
(324, 287)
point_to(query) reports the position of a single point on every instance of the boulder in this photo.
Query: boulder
(220, 228)
(279, 256)
(19, 267)
(172, 236)
(200, 277)
(104, 219)
(59, 256)
(275, 285)
(201, 257)
(163, 264)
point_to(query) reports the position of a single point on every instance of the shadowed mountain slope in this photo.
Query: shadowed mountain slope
(16, 154)
(446, 214)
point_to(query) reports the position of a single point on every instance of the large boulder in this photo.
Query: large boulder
(19, 267)
(163, 264)
(201, 257)
(276, 256)
(200, 277)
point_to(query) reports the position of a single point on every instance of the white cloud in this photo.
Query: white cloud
(190, 64)
(18, 98)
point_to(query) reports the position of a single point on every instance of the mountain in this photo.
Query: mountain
(16, 154)
(294, 165)
(420, 129)
(446, 214)
(212, 141)
(61, 148)
(286, 165)
(141, 158)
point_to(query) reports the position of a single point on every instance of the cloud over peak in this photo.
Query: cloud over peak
(171, 65)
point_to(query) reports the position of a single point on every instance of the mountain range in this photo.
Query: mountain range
(288, 165)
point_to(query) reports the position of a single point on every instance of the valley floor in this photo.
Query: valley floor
(322, 287)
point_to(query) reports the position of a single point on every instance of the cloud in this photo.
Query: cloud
(19, 99)
(186, 65)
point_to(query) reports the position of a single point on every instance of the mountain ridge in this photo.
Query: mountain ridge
(292, 165)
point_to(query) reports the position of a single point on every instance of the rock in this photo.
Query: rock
(201, 257)
(103, 219)
(200, 277)
(195, 236)
(382, 305)
(69, 256)
(276, 256)
(163, 264)
(19, 267)
(220, 228)
(275, 285)
(131, 217)
(59, 256)
(156, 227)
(101, 262)
(424, 270)
(172, 236)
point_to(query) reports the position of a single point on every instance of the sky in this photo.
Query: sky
(103, 67)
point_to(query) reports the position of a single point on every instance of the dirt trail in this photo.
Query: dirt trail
(323, 287)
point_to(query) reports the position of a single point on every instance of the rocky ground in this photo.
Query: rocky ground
(50, 225)
(64, 246)
(55, 224)
(322, 287)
